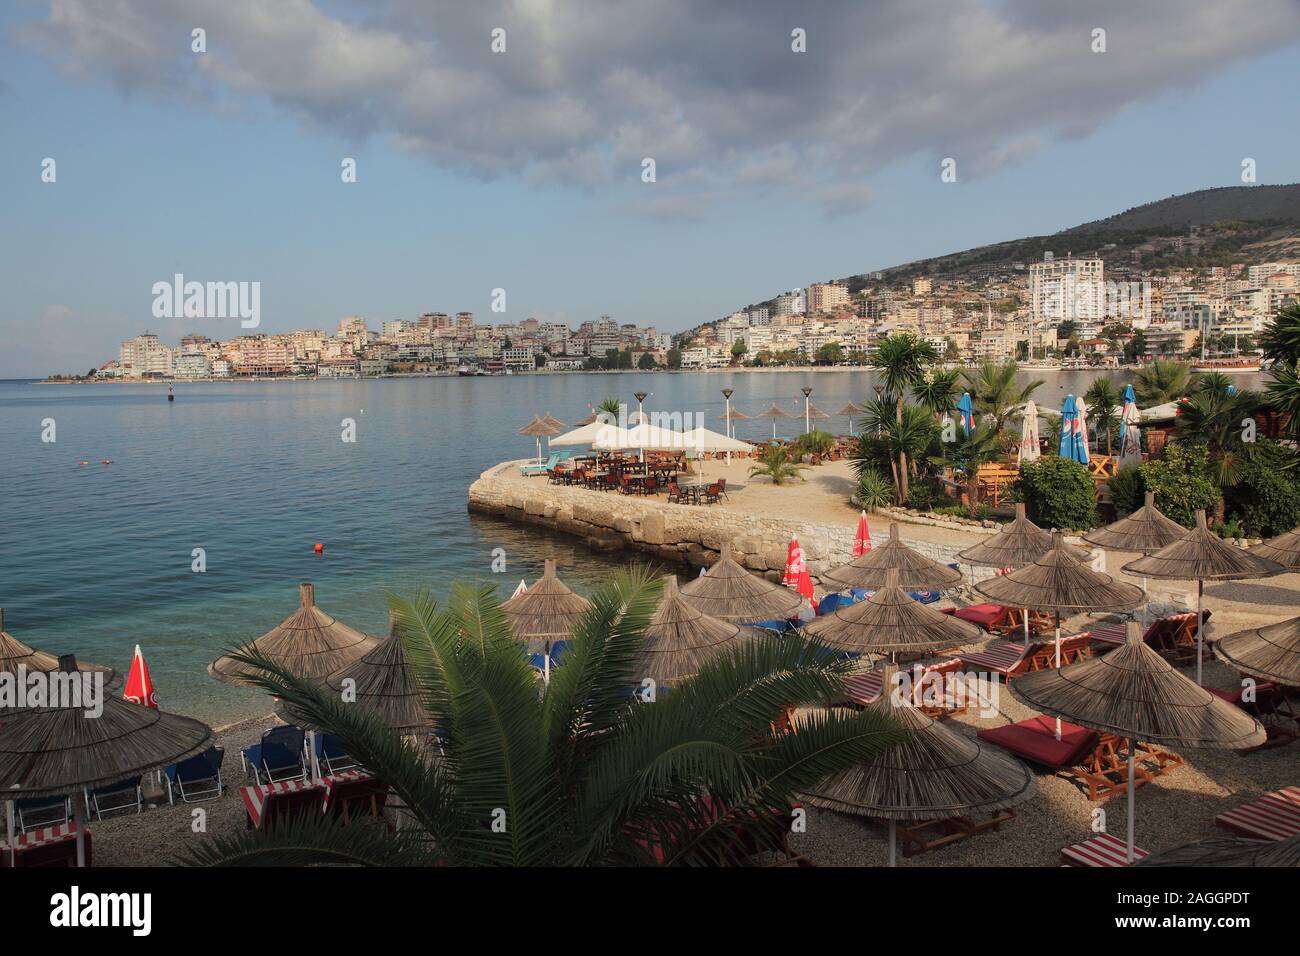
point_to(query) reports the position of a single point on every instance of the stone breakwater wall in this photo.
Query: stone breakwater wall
(692, 534)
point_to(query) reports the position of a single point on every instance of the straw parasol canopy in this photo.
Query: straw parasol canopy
(15, 654)
(538, 428)
(871, 570)
(1200, 555)
(774, 412)
(815, 412)
(849, 411)
(57, 750)
(889, 621)
(1133, 692)
(736, 416)
(587, 420)
(1059, 581)
(1284, 550)
(1019, 542)
(730, 593)
(547, 611)
(1230, 851)
(680, 638)
(1145, 530)
(933, 773)
(308, 643)
(553, 422)
(1270, 653)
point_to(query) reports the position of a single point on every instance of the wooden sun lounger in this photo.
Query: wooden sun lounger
(863, 689)
(1172, 637)
(1098, 762)
(926, 835)
(1010, 659)
(1102, 850)
(1274, 816)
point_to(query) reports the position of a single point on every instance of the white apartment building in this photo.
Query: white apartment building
(146, 355)
(794, 302)
(519, 358)
(1061, 289)
(1259, 274)
(827, 296)
(193, 365)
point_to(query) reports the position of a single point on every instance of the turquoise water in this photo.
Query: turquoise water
(95, 559)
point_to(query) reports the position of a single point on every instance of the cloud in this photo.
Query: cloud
(709, 88)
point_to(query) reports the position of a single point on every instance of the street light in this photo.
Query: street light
(726, 393)
(640, 398)
(806, 426)
(878, 392)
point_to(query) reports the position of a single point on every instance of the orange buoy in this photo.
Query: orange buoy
(83, 462)
(106, 461)
(319, 548)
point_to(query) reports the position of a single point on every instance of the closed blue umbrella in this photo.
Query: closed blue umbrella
(1073, 444)
(1130, 398)
(967, 409)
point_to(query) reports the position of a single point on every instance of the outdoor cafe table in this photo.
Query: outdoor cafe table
(26, 844)
(255, 796)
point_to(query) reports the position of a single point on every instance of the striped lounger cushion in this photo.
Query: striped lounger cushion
(997, 657)
(1274, 816)
(1103, 850)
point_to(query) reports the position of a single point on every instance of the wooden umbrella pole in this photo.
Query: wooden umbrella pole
(1058, 662)
(1132, 745)
(1025, 612)
(893, 843)
(1200, 630)
(9, 833)
(546, 663)
(78, 818)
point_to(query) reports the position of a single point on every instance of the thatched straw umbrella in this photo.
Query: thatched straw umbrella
(58, 749)
(774, 412)
(680, 638)
(1144, 531)
(548, 611)
(308, 643)
(539, 427)
(915, 570)
(1283, 550)
(850, 411)
(382, 684)
(1133, 692)
(933, 773)
(730, 593)
(1200, 555)
(890, 621)
(1229, 851)
(1270, 653)
(1020, 542)
(554, 422)
(15, 654)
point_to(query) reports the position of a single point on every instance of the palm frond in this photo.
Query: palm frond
(312, 839)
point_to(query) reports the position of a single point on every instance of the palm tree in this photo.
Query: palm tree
(1103, 402)
(1281, 343)
(775, 463)
(904, 435)
(610, 405)
(902, 359)
(1163, 380)
(938, 391)
(965, 455)
(995, 392)
(1214, 418)
(578, 771)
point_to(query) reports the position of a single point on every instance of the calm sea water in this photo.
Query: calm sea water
(95, 559)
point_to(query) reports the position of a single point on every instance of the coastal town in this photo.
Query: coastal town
(1072, 310)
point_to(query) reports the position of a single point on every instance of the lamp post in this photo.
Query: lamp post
(640, 418)
(726, 393)
(877, 390)
(806, 426)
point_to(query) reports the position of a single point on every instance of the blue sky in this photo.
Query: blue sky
(773, 171)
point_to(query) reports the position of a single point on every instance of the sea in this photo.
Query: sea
(99, 527)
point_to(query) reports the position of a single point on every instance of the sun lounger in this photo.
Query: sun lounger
(332, 756)
(1010, 659)
(541, 468)
(1101, 851)
(279, 755)
(121, 797)
(1270, 705)
(538, 660)
(1173, 637)
(1096, 761)
(353, 794)
(198, 778)
(268, 803)
(55, 845)
(985, 615)
(1274, 816)
(922, 836)
(36, 813)
(933, 685)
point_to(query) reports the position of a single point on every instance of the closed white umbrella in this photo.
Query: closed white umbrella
(1130, 448)
(1028, 450)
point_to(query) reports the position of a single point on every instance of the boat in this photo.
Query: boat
(1227, 365)
(469, 372)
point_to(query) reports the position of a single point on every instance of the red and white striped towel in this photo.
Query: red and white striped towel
(255, 797)
(1101, 851)
(1274, 816)
(45, 835)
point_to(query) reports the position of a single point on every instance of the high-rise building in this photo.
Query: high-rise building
(1061, 289)
(827, 296)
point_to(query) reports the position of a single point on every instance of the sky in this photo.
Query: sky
(523, 169)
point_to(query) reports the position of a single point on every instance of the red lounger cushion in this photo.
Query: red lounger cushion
(982, 614)
(1035, 739)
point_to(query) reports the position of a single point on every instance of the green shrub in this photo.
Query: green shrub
(1232, 528)
(813, 443)
(1182, 482)
(875, 490)
(982, 513)
(1128, 489)
(926, 494)
(1266, 500)
(1058, 493)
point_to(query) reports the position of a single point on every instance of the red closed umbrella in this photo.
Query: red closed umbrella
(862, 540)
(796, 572)
(139, 685)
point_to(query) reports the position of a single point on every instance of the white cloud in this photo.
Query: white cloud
(710, 89)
